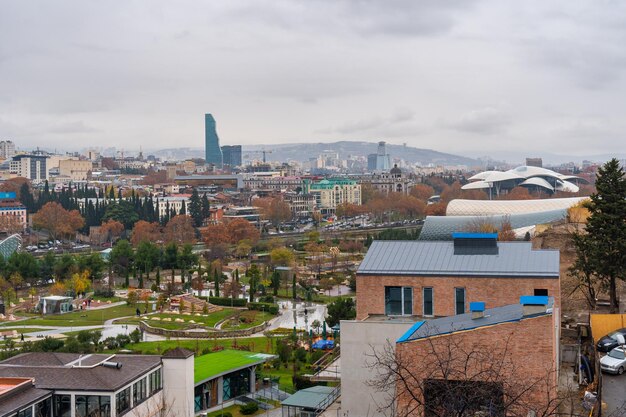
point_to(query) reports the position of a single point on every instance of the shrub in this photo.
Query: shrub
(110, 343)
(122, 340)
(104, 292)
(249, 408)
(135, 336)
(224, 414)
(227, 301)
(301, 382)
(267, 299)
(270, 308)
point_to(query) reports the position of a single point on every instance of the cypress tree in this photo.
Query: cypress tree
(216, 280)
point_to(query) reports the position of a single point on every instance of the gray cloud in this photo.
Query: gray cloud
(450, 75)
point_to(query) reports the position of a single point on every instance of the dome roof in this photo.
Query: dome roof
(395, 170)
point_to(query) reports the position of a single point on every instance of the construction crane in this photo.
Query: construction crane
(262, 151)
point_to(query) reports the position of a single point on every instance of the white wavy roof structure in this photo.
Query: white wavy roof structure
(461, 207)
(525, 176)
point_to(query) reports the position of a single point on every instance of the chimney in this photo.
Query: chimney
(475, 243)
(534, 304)
(478, 310)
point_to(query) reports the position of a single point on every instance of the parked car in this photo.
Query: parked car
(615, 361)
(612, 340)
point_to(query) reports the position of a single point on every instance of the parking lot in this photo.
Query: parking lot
(614, 394)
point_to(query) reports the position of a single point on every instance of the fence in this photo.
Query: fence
(602, 324)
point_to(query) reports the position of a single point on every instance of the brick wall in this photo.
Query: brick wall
(530, 358)
(495, 292)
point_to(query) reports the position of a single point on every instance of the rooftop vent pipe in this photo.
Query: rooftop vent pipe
(115, 365)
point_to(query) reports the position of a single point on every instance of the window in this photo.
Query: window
(92, 406)
(26, 412)
(428, 301)
(122, 401)
(139, 391)
(155, 381)
(541, 291)
(459, 300)
(398, 301)
(63, 405)
(44, 408)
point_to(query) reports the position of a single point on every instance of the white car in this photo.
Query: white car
(615, 361)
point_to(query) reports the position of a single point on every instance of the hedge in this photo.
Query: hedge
(227, 301)
(270, 308)
(249, 408)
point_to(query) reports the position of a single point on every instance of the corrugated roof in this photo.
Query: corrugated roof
(310, 398)
(463, 322)
(514, 259)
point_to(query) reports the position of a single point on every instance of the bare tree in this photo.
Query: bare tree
(449, 377)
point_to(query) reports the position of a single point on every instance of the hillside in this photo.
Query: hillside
(303, 151)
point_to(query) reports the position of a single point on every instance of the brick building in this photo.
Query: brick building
(434, 279)
(489, 363)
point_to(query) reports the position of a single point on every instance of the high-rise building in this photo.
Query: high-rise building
(534, 162)
(33, 167)
(379, 161)
(231, 155)
(7, 149)
(212, 142)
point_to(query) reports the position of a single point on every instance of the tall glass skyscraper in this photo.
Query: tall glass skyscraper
(212, 142)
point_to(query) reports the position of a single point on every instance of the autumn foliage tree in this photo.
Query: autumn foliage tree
(145, 231)
(422, 191)
(274, 209)
(241, 229)
(180, 230)
(112, 229)
(57, 221)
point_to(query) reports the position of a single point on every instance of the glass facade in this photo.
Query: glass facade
(139, 391)
(122, 401)
(62, 406)
(44, 408)
(155, 382)
(236, 384)
(92, 406)
(212, 142)
(398, 301)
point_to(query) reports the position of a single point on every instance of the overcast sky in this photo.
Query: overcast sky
(455, 76)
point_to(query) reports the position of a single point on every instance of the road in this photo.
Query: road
(614, 394)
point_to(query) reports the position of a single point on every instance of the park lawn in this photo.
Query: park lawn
(255, 344)
(23, 330)
(210, 321)
(254, 317)
(82, 317)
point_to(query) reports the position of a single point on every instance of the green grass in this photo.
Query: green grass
(215, 363)
(234, 411)
(82, 317)
(23, 330)
(255, 344)
(253, 317)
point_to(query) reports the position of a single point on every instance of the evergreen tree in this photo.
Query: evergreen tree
(602, 250)
(275, 283)
(183, 208)
(195, 208)
(206, 209)
(216, 280)
(293, 287)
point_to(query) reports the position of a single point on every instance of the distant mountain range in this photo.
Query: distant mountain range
(303, 151)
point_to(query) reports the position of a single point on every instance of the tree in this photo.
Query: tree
(275, 282)
(340, 309)
(195, 209)
(180, 230)
(242, 229)
(274, 209)
(122, 211)
(422, 191)
(461, 375)
(602, 250)
(282, 257)
(79, 283)
(147, 257)
(145, 232)
(215, 234)
(112, 229)
(57, 221)
(10, 224)
(254, 275)
(170, 257)
(216, 282)
(122, 256)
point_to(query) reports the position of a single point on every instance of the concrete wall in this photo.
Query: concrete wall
(494, 291)
(178, 386)
(358, 338)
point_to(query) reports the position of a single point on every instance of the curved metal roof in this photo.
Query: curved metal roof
(461, 207)
(539, 182)
(442, 227)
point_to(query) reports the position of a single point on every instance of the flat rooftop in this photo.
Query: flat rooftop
(214, 364)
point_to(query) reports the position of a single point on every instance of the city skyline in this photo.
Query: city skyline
(458, 77)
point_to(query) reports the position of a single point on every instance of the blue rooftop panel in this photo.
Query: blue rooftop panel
(467, 235)
(534, 300)
(477, 306)
(406, 336)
